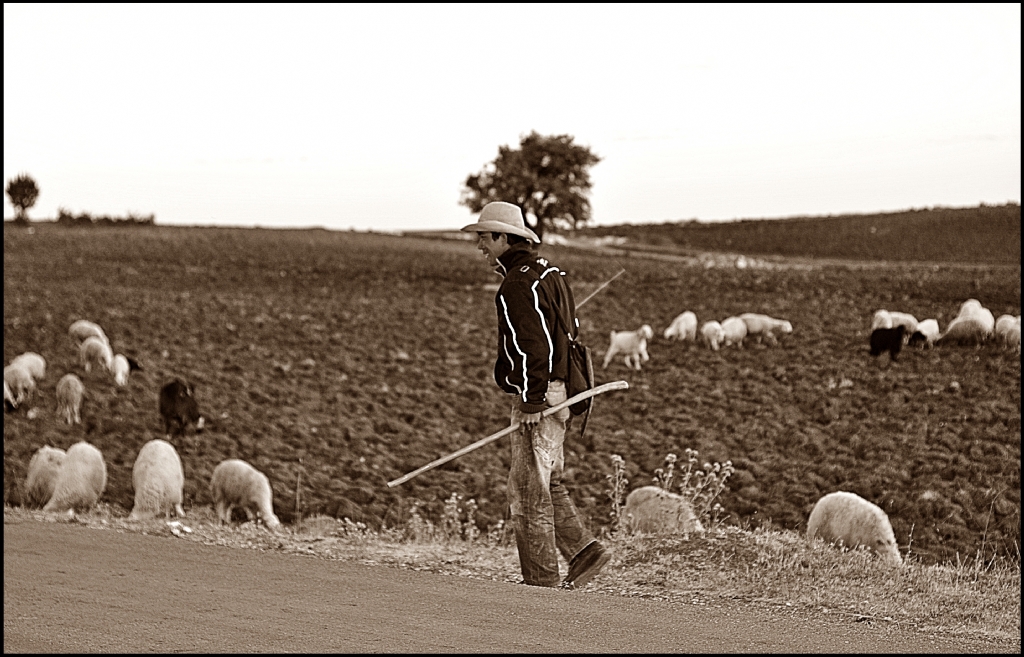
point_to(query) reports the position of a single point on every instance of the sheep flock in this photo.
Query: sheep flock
(158, 478)
(889, 332)
(73, 481)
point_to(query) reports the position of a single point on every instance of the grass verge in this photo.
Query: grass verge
(975, 597)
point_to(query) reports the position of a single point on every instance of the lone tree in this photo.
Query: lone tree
(548, 177)
(23, 192)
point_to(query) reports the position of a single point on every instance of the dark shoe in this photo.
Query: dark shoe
(585, 565)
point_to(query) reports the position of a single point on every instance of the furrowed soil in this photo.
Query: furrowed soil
(337, 361)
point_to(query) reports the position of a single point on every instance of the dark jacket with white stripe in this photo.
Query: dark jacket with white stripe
(532, 343)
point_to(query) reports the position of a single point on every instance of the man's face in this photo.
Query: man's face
(491, 248)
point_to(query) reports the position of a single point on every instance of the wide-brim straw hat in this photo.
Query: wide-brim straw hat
(501, 217)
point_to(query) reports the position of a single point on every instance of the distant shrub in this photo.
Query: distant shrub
(67, 218)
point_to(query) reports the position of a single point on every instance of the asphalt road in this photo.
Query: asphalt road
(68, 588)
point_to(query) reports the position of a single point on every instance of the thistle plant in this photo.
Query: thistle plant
(418, 529)
(355, 531)
(470, 532)
(701, 487)
(618, 488)
(453, 527)
(451, 524)
(663, 476)
(496, 535)
(687, 470)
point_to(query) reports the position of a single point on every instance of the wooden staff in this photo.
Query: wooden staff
(586, 394)
(603, 286)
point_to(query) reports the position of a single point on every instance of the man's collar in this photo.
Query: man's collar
(515, 253)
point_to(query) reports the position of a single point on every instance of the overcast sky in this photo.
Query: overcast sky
(373, 116)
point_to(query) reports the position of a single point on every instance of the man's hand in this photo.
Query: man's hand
(530, 420)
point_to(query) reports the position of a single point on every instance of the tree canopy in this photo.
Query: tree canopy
(23, 193)
(547, 176)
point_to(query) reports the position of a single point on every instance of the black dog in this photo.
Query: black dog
(887, 339)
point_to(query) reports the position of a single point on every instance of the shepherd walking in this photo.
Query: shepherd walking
(532, 366)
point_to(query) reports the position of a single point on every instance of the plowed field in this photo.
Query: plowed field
(335, 362)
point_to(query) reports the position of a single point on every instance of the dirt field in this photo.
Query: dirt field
(351, 359)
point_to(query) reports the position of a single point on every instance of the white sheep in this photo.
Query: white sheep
(20, 382)
(888, 319)
(969, 306)
(927, 333)
(42, 476)
(158, 479)
(712, 334)
(987, 320)
(765, 327)
(631, 343)
(96, 350)
(974, 324)
(1011, 339)
(906, 320)
(83, 328)
(33, 363)
(70, 392)
(851, 520)
(683, 327)
(122, 367)
(734, 330)
(1003, 324)
(236, 483)
(80, 481)
(881, 319)
(654, 510)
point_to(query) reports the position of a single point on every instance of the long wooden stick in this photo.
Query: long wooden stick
(587, 394)
(603, 286)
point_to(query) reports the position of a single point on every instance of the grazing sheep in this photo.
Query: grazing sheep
(20, 382)
(765, 327)
(178, 408)
(906, 320)
(70, 392)
(42, 476)
(122, 367)
(83, 329)
(891, 319)
(236, 483)
(631, 343)
(927, 333)
(888, 339)
(851, 520)
(158, 480)
(683, 327)
(1012, 337)
(734, 330)
(881, 319)
(1003, 324)
(80, 481)
(712, 334)
(973, 325)
(970, 306)
(965, 330)
(33, 363)
(654, 510)
(94, 350)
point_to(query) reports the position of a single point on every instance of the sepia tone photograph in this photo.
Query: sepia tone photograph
(512, 328)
